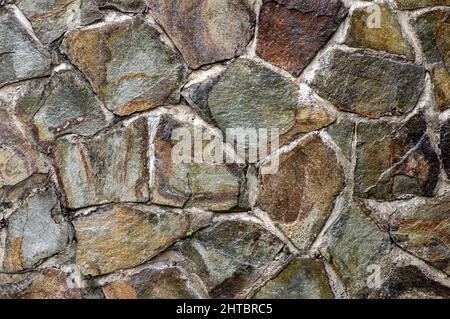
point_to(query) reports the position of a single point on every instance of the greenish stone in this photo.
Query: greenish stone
(230, 256)
(123, 5)
(301, 279)
(357, 244)
(342, 134)
(368, 85)
(129, 67)
(416, 4)
(395, 159)
(387, 37)
(109, 167)
(21, 55)
(35, 231)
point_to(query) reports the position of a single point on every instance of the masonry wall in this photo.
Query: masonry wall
(115, 117)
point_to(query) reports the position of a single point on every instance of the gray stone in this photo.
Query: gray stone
(342, 134)
(123, 5)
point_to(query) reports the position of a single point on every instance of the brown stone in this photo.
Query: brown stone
(299, 197)
(416, 4)
(440, 77)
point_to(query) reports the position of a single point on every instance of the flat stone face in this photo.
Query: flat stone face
(250, 95)
(167, 283)
(19, 158)
(127, 64)
(387, 36)
(440, 77)
(357, 245)
(393, 160)
(51, 18)
(342, 134)
(299, 198)
(368, 85)
(206, 31)
(230, 256)
(123, 5)
(424, 230)
(210, 185)
(291, 32)
(124, 236)
(416, 4)
(110, 167)
(21, 55)
(301, 279)
(62, 105)
(35, 231)
(432, 29)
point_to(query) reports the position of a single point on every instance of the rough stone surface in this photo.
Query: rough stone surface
(357, 244)
(369, 85)
(342, 134)
(387, 37)
(424, 230)
(230, 256)
(206, 31)
(22, 56)
(416, 4)
(441, 87)
(301, 279)
(35, 231)
(299, 198)
(291, 32)
(212, 186)
(110, 167)
(445, 146)
(393, 160)
(127, 78)
(123, 5)
(123, 236)
(51, 18)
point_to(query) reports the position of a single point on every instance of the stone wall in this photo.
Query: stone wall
(93, 203)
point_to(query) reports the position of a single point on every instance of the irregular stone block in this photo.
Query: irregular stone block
(357, 245)
(206, 31)
(22, 56)
(445, 146)
(35, 231)
(432, 29)
(230, 256)
(51, 18)
(342, 134)
(369, 85)
(123, 5)
(127, 64)
(440, 77)
(387, 36)
(124, 236)
(197, 182)
(299, 198)
(301, 279)
(416, 4)
(395, 159)
(290, 33)
(61, 105)
(110, 167)
(423, 229)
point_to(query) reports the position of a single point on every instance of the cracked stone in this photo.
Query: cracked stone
(51, 18)
(440, 77)
(395, 159)
(387, 37)
(124, 236)
(127, 64)
(35, 231)
(206, 31)
(432, 29)
(210, 185)
(230, 256)
(22, 56)
(301, 279)
(417, 4)
(300, 197)
(290, 32)
(62, 105)
(423, 229)
(357, 245)
(369, 85)
(123, 5)
(109, 167)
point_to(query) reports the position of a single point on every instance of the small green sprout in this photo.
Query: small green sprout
(189, 233)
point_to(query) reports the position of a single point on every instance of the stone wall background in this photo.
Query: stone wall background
(92, 204)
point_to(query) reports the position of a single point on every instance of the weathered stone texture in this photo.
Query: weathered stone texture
(416, 4)
(110, 167)
(127, 78)
(368, 85)
(291, 32)
(206, 31)
(441, 87)
(299, 198)
(123, 5)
